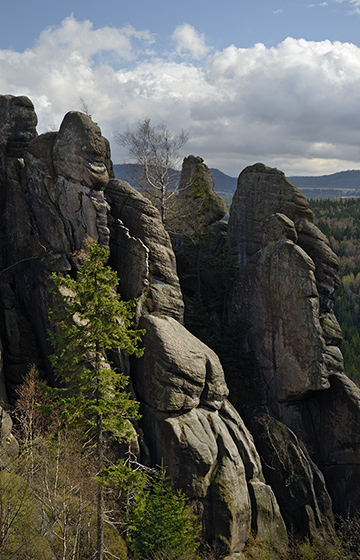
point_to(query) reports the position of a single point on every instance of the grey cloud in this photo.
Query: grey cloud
(293, 105)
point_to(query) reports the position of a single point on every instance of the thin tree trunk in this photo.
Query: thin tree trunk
(100, 452)
(100, 493)
(163, 203)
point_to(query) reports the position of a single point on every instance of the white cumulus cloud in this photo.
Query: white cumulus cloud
(294, 106)
(189, 40)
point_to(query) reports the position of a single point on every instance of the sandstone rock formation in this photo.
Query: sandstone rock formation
(141, 252)
(66, 176)
(57, 181)
(284, 291)
(194, 430)
(298, 438)
(199, 205)
(285, 263)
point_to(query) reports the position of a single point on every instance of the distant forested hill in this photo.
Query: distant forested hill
(224, 184)
(337, 185)
(339, 220)
(342, 184)
(341, 180)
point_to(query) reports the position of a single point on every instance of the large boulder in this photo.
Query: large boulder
(178, 371)
(193, 430)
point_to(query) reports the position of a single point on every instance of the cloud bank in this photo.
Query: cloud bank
(294, 106)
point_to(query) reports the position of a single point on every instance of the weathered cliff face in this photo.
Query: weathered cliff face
(284, 291)
(193, 429)
(57, 180)
(285, 286)
(301, 412)
(188, 423)
(141, 252)
(67, 172)
(52, 202)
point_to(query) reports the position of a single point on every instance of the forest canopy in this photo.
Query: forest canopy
(339, 220)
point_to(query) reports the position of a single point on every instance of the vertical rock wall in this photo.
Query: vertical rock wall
(284, 292)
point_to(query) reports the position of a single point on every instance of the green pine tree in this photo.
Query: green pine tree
(89, 319)
(161, 524)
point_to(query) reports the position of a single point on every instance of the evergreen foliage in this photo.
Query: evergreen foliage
(161, 522)
(52, 488)
(90, 319)
(339, 220)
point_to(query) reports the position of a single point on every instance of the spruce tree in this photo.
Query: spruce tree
(89, 319)
(161, 523)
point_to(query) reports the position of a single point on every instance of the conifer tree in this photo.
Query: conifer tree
(89, 319)
(162, 525)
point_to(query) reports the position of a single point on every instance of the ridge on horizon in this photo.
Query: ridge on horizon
(334, 185)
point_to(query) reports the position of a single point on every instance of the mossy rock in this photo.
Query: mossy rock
(196, 190)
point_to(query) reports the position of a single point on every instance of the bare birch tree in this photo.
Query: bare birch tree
(154, 153)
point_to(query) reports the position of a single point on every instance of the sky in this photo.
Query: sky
(271, 81)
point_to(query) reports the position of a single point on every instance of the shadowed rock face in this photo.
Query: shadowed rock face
(284, 291)
(57, 189)
(192, 428)
(335, 417)
(51, 201)
(285, 287)
(17, 124)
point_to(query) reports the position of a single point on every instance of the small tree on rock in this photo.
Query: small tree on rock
(154, 152)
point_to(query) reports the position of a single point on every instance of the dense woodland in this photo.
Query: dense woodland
(339, 220)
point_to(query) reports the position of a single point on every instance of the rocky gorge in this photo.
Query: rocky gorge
(269, 445)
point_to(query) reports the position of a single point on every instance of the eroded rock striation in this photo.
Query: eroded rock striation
(285, 286)
(284, 292)
(192, 428)
(141, 252)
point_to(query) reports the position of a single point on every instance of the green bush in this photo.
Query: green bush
(161, 526)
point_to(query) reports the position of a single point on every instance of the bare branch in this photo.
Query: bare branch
(85, 108)
(154, 152)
